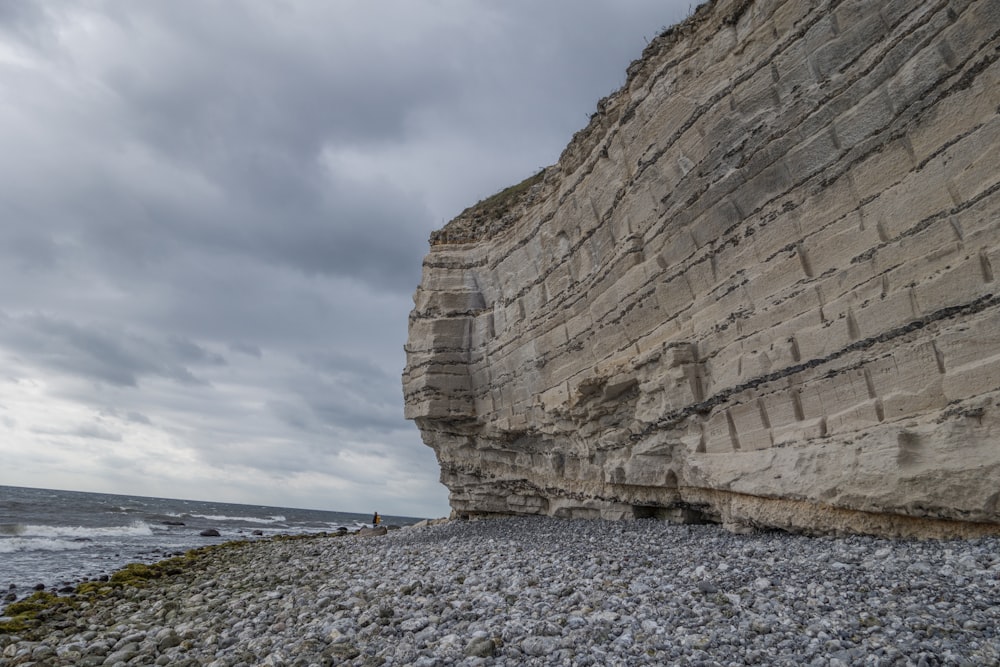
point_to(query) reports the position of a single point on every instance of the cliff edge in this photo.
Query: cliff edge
(759, 288)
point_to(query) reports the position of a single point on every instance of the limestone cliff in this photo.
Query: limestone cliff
(759, 288)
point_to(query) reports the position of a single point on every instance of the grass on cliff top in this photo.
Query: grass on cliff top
(28, 614)
(475, 222)
(496, 206)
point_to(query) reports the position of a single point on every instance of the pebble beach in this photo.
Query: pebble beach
(530, 591)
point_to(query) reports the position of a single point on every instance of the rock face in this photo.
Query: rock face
(759, 288)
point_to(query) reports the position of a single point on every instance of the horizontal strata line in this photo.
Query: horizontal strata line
(928, 221)
(731, 238)
(861, 151)
(842, 89)
(451, 264)
(597, 278)
(696, 114)
(449, 315)
(920, 106)
(699, 112)
(702, 109)
(946, 145)
(769, 141)
(620, 195)
(728, 238)
(857, 78)
(982, 303)
(710, 251)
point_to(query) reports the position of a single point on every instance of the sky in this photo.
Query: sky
(213, 216)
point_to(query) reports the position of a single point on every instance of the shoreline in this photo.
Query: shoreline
(139, 572)
(537, 591)
(60, 539)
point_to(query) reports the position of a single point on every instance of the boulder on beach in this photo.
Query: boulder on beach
(209, 532)
(371, 532)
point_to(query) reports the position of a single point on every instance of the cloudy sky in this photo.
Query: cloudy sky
(212, 219)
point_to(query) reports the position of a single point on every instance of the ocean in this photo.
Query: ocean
(60, 538)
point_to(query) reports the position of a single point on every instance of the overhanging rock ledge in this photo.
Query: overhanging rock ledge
(758, 288)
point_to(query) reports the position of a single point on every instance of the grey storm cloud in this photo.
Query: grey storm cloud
(97, 433)
(21, 19)
(213, 216)
(89, 431)
(105, 355)
(340, 394)
(211, 135)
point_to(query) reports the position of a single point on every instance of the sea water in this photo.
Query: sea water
(60, 538)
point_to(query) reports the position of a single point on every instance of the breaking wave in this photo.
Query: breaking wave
(78, 532)
(249, 519)
(12, 545)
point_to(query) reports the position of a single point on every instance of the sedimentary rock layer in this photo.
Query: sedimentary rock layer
(759, 288)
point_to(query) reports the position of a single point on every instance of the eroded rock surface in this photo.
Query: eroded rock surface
(759, 288)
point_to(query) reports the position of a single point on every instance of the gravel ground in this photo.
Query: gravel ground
(532, 591)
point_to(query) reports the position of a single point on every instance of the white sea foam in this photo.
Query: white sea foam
(249, 519)
(33, 530)
(13, 545)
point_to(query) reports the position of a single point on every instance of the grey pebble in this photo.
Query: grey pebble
(531, 591)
